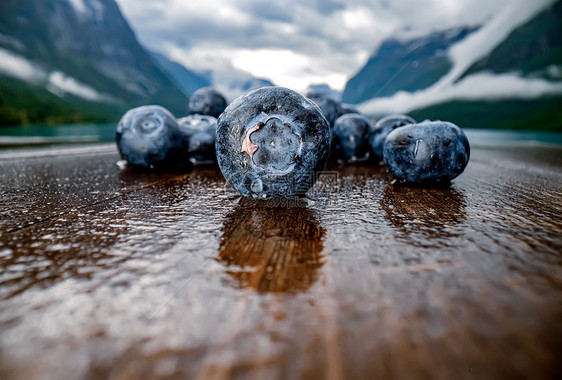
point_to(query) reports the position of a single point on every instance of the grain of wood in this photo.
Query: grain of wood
(113, 273)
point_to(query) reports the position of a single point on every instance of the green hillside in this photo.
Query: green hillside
(23, 104)
(97, 48)
(538, 114)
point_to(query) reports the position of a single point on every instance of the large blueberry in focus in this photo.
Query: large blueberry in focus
(148, 136)
(207, 101)
(383, 127)
(351, 137)
(199, 133)
(272, 142)
(330, 107)
(425, 153)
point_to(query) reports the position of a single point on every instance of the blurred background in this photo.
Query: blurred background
(83, 63)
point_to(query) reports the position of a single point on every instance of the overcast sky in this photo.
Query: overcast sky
(291, 42)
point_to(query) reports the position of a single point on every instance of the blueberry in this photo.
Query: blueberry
(207, 101)
(149, 136)
(199, 132)
(330, 107)
(272, 142)
(425, 153)
(383, 127)
(351, 137)
(348, 108)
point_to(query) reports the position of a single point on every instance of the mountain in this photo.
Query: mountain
(533, 50)
(336, 95)
(505, 74)
(186, 79)
(75, 60)
(223, 76)
(233, 82)
(404, 66)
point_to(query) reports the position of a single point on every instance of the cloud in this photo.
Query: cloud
(19, 67)
(268, 10)
(482, 42)
(333, 40)
(482, 86)
(58, 82)
(329, 39)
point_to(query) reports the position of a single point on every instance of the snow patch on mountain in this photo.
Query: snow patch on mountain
(88, 8)
(79, 6)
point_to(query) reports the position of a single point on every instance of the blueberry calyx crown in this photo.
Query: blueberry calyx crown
(147, 123)
(247, 145)
(272, 144)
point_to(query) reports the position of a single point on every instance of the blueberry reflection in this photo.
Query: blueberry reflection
(431, 212)
(271, 249)
(133, 176)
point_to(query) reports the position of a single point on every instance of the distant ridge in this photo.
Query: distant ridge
(72, 61)
(517, 84)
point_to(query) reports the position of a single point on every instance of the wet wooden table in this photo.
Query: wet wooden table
(107, 273)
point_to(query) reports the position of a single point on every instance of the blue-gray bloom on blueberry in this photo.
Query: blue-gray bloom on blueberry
(272, 142)
(351, 137)
(148, 136)
(207, 101)
(383, 127)
(431, 152)
(199, 132)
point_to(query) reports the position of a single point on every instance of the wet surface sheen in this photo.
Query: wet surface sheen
(113, 273)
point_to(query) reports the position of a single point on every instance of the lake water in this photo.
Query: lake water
(61, 134)
(40, 135)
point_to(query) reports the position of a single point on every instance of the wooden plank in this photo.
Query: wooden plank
(113, 273)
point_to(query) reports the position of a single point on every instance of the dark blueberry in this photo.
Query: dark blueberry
(383, 127)
(272, 142)
(199, 132)
(351, 137)
(148, 136)
(207, 101)
(428, 152)
(329, 106)
(348, 108)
